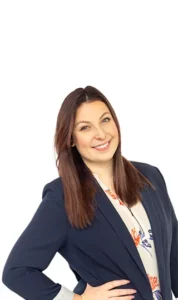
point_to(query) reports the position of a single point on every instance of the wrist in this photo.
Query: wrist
(77, 297)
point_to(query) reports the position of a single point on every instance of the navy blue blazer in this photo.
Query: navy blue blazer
(102, 252)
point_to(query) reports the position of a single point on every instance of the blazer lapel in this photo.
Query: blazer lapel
(149, 198)
(154, 211)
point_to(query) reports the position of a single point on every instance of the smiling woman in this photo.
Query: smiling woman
(100, 134)
(110, 218)
(86, 120)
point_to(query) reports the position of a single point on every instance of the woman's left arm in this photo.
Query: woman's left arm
(174, 245)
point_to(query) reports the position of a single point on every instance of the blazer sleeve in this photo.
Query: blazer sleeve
(174, 245)
(32, 253)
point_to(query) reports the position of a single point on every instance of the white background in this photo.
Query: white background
(126, 49)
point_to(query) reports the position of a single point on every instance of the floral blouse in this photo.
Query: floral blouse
(139, 227)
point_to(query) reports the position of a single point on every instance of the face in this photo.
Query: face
(93, 126)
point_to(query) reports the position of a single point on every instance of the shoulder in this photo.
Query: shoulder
(54, 190)
(152, 172)
(143, 166)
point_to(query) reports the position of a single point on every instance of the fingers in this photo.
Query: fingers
(117, 292)
(124, 298)
(112, 284)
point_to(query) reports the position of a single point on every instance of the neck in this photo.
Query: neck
(103, 171)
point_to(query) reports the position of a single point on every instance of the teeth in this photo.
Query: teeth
(103, 146)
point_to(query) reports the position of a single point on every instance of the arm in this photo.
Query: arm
(174, 246)
(65, 294)
(35, 248)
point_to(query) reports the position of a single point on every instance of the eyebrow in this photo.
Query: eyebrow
(107, 112)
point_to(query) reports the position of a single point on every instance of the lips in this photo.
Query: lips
(101, 144)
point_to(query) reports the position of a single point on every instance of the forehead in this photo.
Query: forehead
(87, 110)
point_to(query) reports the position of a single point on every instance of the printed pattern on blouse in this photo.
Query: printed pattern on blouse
(140, 230)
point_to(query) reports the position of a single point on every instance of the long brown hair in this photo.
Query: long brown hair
(77, 179)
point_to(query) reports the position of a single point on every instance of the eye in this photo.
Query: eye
(106, 118)
(83, 127)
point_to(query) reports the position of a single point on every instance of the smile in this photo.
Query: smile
(103, 147)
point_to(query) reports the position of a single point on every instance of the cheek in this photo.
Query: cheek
(83, 142)
(114, 130)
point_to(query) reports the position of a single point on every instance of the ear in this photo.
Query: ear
(72, 144)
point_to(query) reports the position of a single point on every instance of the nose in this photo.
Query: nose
(100, 133)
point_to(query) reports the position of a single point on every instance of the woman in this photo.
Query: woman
(110, 218)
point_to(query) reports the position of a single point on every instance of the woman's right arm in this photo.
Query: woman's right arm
(65, 294)
(32, 253)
